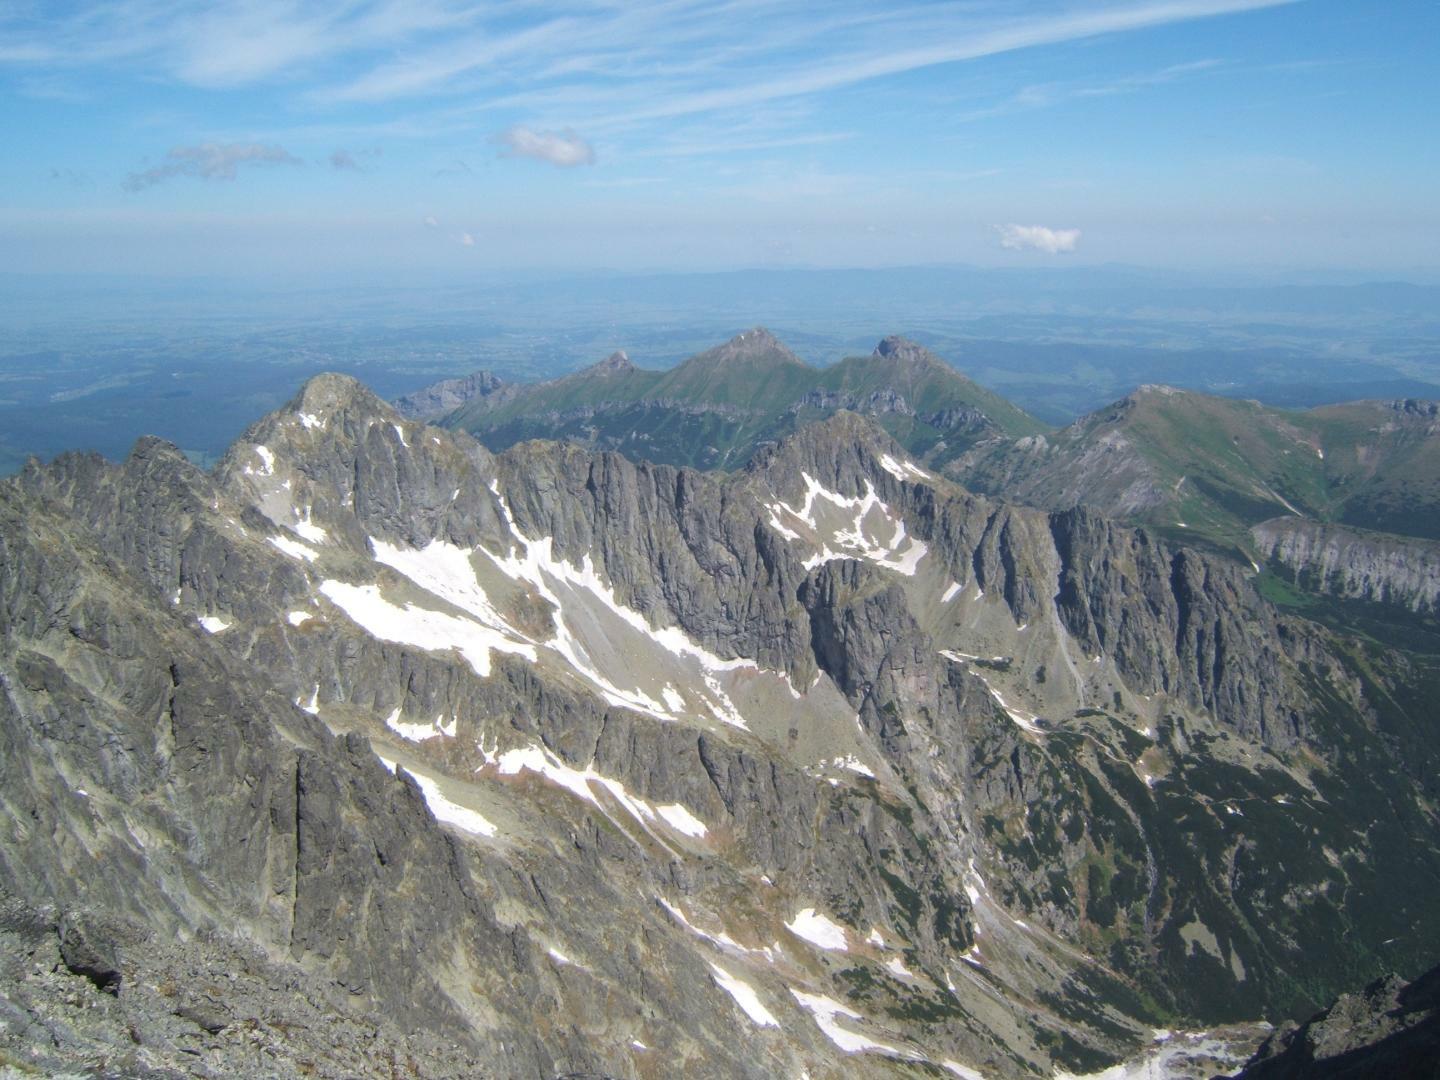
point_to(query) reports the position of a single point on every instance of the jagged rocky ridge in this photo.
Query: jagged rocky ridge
(827, 765)
(1354, 564)
(450, 394)
(1388, 1031)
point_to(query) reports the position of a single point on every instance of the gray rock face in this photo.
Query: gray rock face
(1353, 564)
(1391, 1029)
(1011, 787)
(446, 396)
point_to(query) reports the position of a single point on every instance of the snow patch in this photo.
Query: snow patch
(298, 618)
(950, 593)
(818, 930)
(579, 783)
(903, 470)
(721, 940)
(400, 433)
(681, 820)
(897, 967)
(213, 624)
(420, 732)
(899, 552)
(825, 1010)
(294, 548)
(433, 631)
(854, 764)
(451, 813)
(965, 1072)
(1171, 1055)
(310, 420)
(308, 531)
(534, 562)
(745, 996)
(267, 463)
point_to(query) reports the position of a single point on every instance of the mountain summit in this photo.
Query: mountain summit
(717, 408)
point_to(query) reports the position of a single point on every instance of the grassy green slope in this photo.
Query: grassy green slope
(715, 409)
(1205, 469)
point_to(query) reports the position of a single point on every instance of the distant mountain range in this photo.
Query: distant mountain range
(717, 409)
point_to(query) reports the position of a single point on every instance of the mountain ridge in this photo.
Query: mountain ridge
(926, 776)
(739, 395)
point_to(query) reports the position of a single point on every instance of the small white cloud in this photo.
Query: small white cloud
(1037, 238)
(431, 223)
(466, 240)
(564, 149)
(210, 161)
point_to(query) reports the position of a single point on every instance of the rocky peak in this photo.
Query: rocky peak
(903, 349)
(1427, 410)
(617, 363)
(448, 395)
(754, 344)
(330, 393)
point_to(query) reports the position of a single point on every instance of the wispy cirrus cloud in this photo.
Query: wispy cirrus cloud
(563, 149)
(210, 161)
(649, 58)
(1038, 238)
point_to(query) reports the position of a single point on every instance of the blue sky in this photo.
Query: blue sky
(384, 136)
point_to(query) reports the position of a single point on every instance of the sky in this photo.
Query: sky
(445, 137)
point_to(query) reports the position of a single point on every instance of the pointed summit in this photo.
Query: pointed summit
(752, 370)
(330, 392)
(617, 363)
(754, 344)
(895, 347)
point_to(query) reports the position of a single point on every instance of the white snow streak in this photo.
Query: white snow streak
(294, 548)
(825, 1010)
(213, 624)
(950, 593)
(965, 1072)
(451, 813)
(1024, 720)
(579, 783)
(310, 420)
(536, 565)
(681, 820)
(745, 996)
(422, 628)
(899, 552)
(903, 470)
